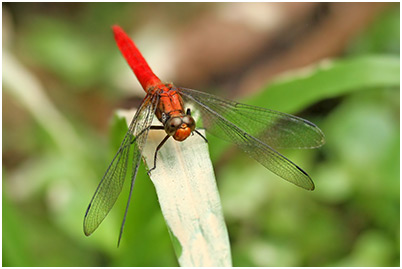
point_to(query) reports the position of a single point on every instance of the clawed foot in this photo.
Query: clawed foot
(150, 170)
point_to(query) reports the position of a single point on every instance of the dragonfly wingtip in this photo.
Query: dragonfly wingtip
(87, 233)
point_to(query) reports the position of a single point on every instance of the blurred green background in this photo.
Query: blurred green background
(335, 64)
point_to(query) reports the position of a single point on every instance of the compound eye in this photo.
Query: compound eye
(189, 121)
(172, 125)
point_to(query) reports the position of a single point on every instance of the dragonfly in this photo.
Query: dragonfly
(259, 132)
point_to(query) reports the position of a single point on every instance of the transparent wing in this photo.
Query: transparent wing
(112, 182)
(276, 129)
(232, 121)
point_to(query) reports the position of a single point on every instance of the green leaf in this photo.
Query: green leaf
(118, 129)
(332, 79)
(15, 249)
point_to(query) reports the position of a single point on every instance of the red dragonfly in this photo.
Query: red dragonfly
(253, 129)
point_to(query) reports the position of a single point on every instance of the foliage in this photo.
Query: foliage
(351, 219)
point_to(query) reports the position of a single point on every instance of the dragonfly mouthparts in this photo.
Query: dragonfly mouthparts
(182, 133)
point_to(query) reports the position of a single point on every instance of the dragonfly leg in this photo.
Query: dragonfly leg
(157, 127)
(153, 127)
(203, 137)
(156, 152)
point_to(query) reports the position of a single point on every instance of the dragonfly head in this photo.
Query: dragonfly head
(180, 127)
